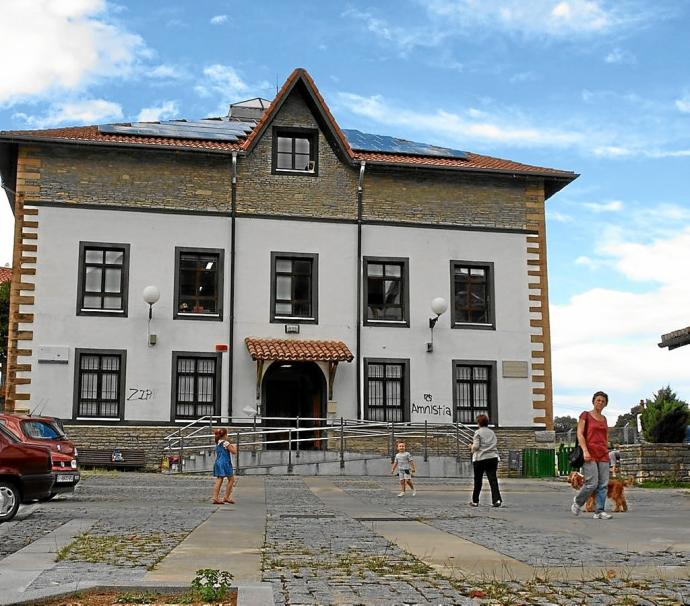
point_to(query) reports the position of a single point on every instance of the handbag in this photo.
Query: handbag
(576, 458)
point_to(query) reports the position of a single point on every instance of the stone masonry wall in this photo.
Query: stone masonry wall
(331, 194)
(116, 177)
(445, 198)
(656, 462)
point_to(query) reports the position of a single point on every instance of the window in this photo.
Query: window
(103, 276)
(294, 287)
(198, 283)
(196, 385)
(474, 390)
(387, 390)
(386, 292)
(99, 381)
(472, 288)
(295, 150)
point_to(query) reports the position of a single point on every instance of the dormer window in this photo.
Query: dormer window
(295, 151)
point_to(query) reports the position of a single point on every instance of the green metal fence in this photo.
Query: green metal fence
(538, 462)
(564, 467)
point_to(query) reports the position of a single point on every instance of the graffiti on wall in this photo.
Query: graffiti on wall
(430, 411)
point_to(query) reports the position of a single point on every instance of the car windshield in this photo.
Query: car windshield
(41, 430)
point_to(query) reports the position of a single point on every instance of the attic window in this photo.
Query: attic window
(295, 151)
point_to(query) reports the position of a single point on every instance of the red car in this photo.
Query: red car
(47, 431)
(25, 474)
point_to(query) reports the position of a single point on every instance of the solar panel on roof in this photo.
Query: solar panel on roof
(392, 145)
(179, 130)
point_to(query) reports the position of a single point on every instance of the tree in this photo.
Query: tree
(629, 417)
(665, 418)
(563, 424)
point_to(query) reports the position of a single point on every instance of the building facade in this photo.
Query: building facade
(295, 264)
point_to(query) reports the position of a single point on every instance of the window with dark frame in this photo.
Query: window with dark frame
(198, 283)
(294, 150)
(386, 391)
(386, 290)
(294, 287)
(103, 277)
(99, 392)
(473, 391)
(196, 386)
(472, 290)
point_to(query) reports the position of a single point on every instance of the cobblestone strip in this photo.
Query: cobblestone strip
(497, 534)
(140, 518)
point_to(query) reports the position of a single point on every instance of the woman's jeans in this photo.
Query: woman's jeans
(488, 467)
(596, 479)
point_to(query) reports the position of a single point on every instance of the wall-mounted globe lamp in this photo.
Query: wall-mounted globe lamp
(151, 295)
(439, 305)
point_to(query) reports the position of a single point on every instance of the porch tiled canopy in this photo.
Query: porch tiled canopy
(293, 350)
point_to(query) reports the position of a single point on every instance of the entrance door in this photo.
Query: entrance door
(294, 389)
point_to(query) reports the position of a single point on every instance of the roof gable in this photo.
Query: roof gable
(300, 81)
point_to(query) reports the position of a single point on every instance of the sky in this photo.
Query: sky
(598, 87)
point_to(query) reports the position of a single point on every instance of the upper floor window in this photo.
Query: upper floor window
(294, 287)
(295, 150)
(99, 381)
(474, 390)
(103, 277)
(198, 283)
(386, 291)
(386, 390)
(472, 289)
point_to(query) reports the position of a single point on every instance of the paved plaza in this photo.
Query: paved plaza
(351, 540)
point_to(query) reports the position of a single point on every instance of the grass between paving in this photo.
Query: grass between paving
(663, 484)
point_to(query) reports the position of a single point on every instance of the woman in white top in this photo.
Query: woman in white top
(485, 461)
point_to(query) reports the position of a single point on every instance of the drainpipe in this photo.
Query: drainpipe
(360, 303)
(231, 314)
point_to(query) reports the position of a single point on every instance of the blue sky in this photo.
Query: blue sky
(601, 88)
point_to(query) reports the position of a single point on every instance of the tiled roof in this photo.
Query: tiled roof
(675, 339)
(473, 162)
(5, 274)
(294, 350)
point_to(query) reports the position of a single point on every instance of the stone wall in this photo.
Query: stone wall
(150, 438)
(132, 178)
(656, 462)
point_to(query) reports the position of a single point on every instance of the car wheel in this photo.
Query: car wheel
(9, 501)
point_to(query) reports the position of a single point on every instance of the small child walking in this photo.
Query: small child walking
(222, 468)
(404, 463)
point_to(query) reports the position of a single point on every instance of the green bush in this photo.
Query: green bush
(665, 418)
(212, 585)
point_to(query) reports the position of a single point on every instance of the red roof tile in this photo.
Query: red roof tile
(294, 350)
(5, 274)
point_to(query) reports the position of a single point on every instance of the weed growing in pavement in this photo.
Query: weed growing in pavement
(145, 597)
(211, 584)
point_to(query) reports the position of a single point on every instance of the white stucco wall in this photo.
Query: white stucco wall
(152, 238)
(430, 252)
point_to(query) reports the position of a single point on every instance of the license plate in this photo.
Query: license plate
(65, 478)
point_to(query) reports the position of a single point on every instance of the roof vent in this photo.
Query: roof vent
(251, 109)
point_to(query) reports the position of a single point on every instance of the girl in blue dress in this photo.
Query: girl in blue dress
(222, 468)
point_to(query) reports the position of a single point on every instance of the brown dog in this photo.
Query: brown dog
(615, 492)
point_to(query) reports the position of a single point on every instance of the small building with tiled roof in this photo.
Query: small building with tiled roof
(271, 260)
(5, 274)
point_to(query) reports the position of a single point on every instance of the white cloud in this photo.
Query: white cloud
(221, 80)
(537, 17)
(470, 125)
(554, 215)
(218, 19)
(607, 339)
(58, 45)
(683, 104)
(604, 207)
(164, 111)
(165, 72)
(618, 55)
(87, 111)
